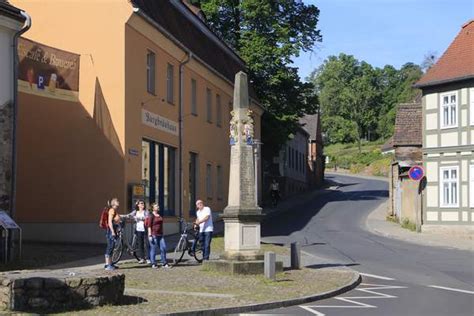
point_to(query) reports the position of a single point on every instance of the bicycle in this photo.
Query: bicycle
(122, 243)
(186, 245)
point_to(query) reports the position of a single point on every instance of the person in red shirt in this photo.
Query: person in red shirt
(154, 224)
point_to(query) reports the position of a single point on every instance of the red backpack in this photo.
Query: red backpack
(104, 218)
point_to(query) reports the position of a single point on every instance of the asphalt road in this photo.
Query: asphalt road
(398, 278)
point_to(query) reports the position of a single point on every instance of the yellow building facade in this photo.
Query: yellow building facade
(139, 63)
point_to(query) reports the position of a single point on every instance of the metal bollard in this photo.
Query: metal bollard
(269, 265)
(295, 255)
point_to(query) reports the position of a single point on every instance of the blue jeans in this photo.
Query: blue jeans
(205, 239)
(158, 240)
(110, 243)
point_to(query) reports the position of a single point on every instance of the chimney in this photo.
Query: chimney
(195, 7)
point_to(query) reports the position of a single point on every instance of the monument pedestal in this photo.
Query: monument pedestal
(242, 245)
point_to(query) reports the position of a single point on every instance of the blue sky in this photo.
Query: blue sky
(385, 32)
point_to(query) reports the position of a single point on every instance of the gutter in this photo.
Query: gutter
(440, 82)
(189, 56)
(17, 35)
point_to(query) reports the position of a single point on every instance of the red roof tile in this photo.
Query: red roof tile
(457, 61)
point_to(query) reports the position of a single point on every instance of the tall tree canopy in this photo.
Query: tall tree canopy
(268, 35)
(358, 100)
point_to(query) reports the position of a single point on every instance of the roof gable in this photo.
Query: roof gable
(457, 62)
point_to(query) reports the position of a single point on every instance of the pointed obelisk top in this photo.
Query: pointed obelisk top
(241, 91)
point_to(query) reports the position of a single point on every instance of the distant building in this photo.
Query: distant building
(316, 159)
(448, 136)
(405, 200)
(293, 165)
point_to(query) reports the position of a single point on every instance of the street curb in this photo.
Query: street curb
(356, 280)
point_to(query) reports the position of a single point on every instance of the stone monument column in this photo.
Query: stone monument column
(242, 215)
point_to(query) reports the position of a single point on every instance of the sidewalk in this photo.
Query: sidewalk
(377, 224)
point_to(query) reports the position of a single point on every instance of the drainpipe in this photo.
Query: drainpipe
(17, 35)
(189, 55)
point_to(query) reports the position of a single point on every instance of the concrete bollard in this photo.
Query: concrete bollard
(269, 265)
(295, 255)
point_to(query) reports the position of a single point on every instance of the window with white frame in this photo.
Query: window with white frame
(150, 72)
(449, 186)
(449, 110)
(471, 103)
(471, 186)
(170, 84)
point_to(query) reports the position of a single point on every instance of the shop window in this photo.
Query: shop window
(193, 160)
(158, 175)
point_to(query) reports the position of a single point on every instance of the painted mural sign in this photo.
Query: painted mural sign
(47, 71)
(159, 122)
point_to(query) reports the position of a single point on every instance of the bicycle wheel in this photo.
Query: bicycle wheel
(198, 253)
(118, 250)
(179, 250)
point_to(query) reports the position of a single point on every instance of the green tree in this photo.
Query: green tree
(268, 35)
(349, 89)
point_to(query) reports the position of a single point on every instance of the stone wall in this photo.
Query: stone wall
(31, 292)
(5, 155)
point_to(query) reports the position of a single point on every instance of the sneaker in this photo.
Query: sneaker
(167, 266)
(154, 266)
(113, 265)
(109, 268)
(148, 261)
(141, 261)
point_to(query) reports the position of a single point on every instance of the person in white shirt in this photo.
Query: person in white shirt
(139, 215)
(206, 227)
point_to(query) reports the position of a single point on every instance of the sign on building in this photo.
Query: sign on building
(47, 71)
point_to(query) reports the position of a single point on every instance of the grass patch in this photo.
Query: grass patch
(368, 161)
(407, 224)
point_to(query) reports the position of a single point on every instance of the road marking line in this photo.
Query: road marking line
(450, 289)
(353, 299)
(309, 309)
(376, 276)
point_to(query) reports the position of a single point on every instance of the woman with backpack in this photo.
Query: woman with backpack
(140, 214)
(155, 236)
